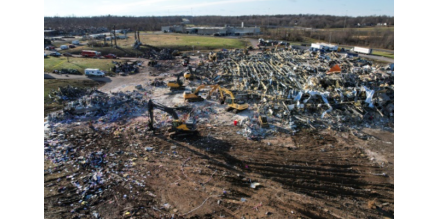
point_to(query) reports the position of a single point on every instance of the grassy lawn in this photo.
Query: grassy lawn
(185, 42)
(53, 84)
(384, 54)
(57, 63)
(182, 42)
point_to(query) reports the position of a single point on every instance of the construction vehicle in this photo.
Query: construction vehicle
(232, 103)
(176, 85)
(189, 74)
(194, 95)
(212, 57)
(262, 120)
(185, 61)
(179, 127)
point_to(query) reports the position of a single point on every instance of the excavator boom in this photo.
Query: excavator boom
(179, 127)
(194, 96)
(232, 103)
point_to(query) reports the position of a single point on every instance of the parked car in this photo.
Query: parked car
(50, 48)
(64, 47)
(55, 54)
(72, 46)
(94, 72)
(90, 53)
(45, 55)
(67, 54)
(110, 56)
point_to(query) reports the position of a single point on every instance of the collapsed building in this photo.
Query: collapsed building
(297, 87)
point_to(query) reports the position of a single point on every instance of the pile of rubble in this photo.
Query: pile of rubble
(66, 93)
(164, 54)
(297, 87)
(127, 67)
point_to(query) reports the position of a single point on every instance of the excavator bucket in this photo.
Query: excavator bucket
(334, 69)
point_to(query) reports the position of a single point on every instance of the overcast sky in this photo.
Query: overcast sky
(217, 7)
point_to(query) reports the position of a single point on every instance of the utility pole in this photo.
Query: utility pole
(114, 34)
(330, 39)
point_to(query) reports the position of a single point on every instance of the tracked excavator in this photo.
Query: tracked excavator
(232, 103)
(176, 85)
(190, 75)
(194, 95)
(179, 128)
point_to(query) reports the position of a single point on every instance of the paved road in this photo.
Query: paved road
(82, 77)
(379, 58)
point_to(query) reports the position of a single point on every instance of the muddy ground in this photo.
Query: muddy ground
(312, 174)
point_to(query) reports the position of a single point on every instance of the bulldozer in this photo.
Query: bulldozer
(176, 85)
(179, 127)
(232, 104)
(194, 95)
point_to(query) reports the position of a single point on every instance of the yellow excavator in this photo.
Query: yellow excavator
(194, 95)
(232, 103)
(262, 120)
(176, 85)
(179, 127)
(212, 56)
(189, 74)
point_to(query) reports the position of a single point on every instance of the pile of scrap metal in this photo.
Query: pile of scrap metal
(67, 93)
(127, 67)
(164, 54)
(101, 104)
(299, 87)
(158, 83)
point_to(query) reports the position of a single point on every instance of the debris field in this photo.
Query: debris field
(327, 152)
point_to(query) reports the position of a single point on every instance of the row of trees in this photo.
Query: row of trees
(283, 27)
(152, 23)
(370, 37)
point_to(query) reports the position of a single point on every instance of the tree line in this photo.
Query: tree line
(153, 23)
(300, 28)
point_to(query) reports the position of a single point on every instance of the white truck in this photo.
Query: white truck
(94, 72)
(362, 50)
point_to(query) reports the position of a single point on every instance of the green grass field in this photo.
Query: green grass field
(185, 42)
(384, 54)
(182, 42)
(53, 84)
(57, 63)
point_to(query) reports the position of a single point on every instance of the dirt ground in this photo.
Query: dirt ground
(311, 174)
